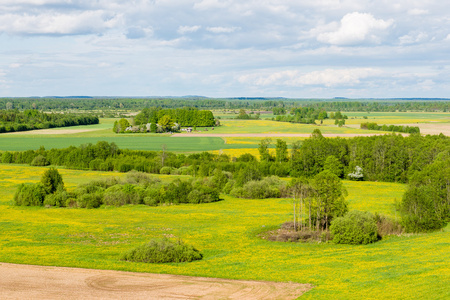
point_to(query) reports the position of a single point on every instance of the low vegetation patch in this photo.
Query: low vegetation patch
(354, 228)
(163, 251)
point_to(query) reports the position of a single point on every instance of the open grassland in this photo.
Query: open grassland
(123, 141)
(268, 126)
(414, 266)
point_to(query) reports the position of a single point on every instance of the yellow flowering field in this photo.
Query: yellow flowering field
(398, 267)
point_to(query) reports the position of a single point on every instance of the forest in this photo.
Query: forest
(267, 104)
(30, 119)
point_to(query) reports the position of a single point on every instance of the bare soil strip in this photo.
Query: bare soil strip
(50, 131)
(37, 282)
(306, 135)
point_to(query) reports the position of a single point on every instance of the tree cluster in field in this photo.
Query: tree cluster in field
(14, 120)
(182, 116)
(426, 203)
(393, 128)
(243, 115)
(163, 251)
(111, 103)
(390, 158)
(137, 188)
(303, 115)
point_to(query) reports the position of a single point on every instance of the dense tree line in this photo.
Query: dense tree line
(182, 116)
(393, 128)
(426, 204)
(15, 120)
(112, 103)
(390, 158)
(304, 115)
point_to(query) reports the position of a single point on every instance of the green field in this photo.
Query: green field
(132, 141)
(410, 266)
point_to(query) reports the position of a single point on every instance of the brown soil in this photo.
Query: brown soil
(36, 282)
(272, 134)
(51, 131)
(425, 128)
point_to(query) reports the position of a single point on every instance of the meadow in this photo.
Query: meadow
(78, 135)
(226, 232)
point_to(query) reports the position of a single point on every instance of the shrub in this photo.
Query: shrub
(51, 179)
(118, 195)
(93, 200)
(355, 227)
(269, 187)
(30, 195)
(387, 226)
(58, 199)
(166, 170)
(163, 251)
(40, 161)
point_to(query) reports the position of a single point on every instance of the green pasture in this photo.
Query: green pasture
(409, 266)
(132, 141)
(268, 126)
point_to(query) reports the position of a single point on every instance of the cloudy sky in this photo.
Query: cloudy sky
(225, 48)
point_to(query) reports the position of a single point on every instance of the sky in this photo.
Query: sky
(225, 48)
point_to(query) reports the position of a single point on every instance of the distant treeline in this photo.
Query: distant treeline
(15, 120)
(181, 116)
(394, 128)
(390, 158)
(304, 115)
(276, 104)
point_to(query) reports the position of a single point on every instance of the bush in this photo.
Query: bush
(269, 187)
(163, 251)
(88, 200)
(166, 170)
(30, 195)
(51, 179)
(40, 161)
(355, 227)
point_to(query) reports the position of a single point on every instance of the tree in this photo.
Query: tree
(121, 125)
(51, 179)
(333, 165)
(329, 195)
(300, 189)
(426, 203)
(281, 151)
(263, 149)
(166, 122)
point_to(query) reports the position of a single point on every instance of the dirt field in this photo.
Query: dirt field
(272, 134)
(51, 131)
(36, 282)
(425, 128)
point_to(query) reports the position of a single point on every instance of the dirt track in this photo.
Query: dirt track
(273, 134)
(36, 282)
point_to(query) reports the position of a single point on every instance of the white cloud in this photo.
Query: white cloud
(356, 28)
(222, 29)
(188, 29)
(58, 23)
(413, 37)
(211, 4)
(328, 77)
(418, 12)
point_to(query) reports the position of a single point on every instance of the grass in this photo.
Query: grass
(124, 141)
(414, 266)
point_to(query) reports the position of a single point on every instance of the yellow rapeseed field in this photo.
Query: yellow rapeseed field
(398, 267)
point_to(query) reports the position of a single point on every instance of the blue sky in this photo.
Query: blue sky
(230, 48)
